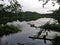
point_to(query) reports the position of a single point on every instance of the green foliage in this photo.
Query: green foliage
(54, 27)
(56, 15)
(56, 41)
(8, 29)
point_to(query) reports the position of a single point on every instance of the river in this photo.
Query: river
(22, 38)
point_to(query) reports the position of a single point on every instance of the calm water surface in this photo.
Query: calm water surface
(23, 37)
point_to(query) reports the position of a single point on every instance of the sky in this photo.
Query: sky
(36, 6)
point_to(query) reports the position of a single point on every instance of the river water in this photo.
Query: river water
(22, 38)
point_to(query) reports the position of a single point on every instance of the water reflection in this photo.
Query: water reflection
(21, 38)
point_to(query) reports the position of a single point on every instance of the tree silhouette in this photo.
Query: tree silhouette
(13, 7)
(45, 2)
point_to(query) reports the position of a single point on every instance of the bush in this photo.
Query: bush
(8, 29)
(54, 27)
(56, 41)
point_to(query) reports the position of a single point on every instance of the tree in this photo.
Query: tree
(46, 1)
(56, 15)
(14, 6)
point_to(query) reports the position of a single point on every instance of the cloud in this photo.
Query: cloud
(35, 6)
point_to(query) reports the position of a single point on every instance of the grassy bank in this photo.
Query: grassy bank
(8, 29)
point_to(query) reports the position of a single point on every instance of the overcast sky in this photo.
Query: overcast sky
(36, 6)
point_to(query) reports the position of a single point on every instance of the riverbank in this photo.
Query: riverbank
(8, 29)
